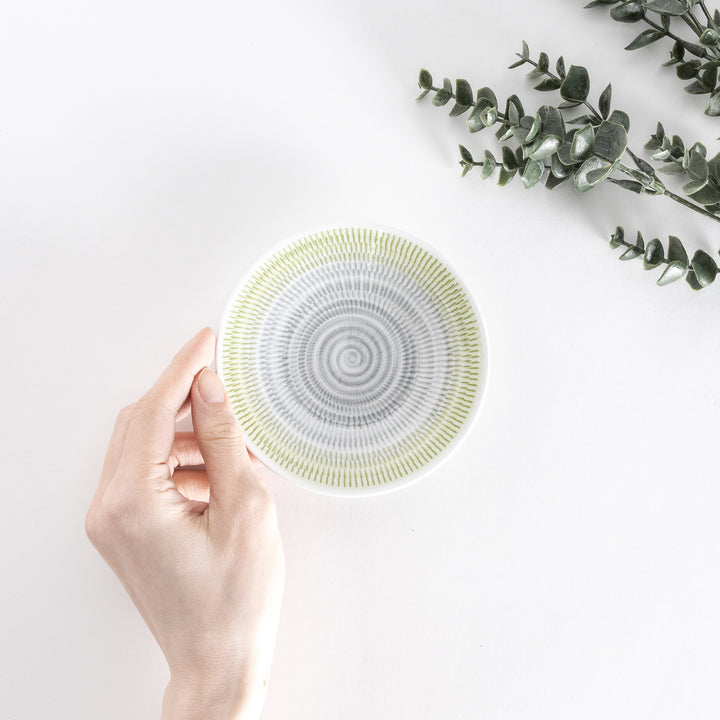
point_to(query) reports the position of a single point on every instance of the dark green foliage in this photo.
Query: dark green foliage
(688, 25)
(589, 148)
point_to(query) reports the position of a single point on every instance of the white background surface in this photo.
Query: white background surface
(563, 563)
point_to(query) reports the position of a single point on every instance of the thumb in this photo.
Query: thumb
(220, 440)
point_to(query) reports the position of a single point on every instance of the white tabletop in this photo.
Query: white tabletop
(564, 562)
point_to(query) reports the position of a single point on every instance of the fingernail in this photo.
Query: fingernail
(211, 387)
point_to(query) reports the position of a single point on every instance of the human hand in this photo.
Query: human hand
(197, 548)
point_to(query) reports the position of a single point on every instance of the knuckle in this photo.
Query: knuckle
(126, 414)
(225, 429)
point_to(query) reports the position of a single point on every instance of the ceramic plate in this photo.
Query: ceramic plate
(354, 358)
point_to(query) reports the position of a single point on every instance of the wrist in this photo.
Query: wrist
(236, 697)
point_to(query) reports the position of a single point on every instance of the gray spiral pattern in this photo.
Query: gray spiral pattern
(353, 355)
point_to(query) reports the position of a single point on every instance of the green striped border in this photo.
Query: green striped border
(288, 454)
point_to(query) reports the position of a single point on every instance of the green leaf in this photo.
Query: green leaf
(509, 160)
(447, 85)
(548, 84)
(488, 166)
(713, 105)
(487, 94)
(676, 251)
(560, 67)
(667, 7)
(618, 237)
(458, 110)
(672, 169)
(628, 12)
(463, 93)
(552, 182)
(475, 121)
(697, 166)
(704, 268)
(543, 63)
(610, 141)
(558, 168)
(705, 195)
(654, 254)
(465, 154)
(488, 116)
(466, 169)
(425, 80)
(576, 85)
(505, 176)
(631, 253)
(594, 3)
(441, 97)
(604, 103)
(582, 143)
(533, 173)
(592, 166)
(513, 110)
(687, 70)
(534, 129)
(552, 121)
(525, 54)
(543, 147)
(692, 280)
(645, 38)
(674, 271)
(621, 118)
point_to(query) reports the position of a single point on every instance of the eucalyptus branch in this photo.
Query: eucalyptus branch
(699, 272)
(704, 75)
(544, 148)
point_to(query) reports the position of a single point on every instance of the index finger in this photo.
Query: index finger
(152, 429)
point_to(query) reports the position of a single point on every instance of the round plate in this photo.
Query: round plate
(354, 358)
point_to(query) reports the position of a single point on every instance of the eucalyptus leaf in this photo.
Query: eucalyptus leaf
(692, 281)
(533, 173)
(425, 80)
(713, 105)
(621, 118)
(628, 12)
(509, 161)
(697, 166)
(463, 93)
(576, 85)
(548, 84)
(543, 147)
(505, 176)
(441, 97)
(673, 272)
(654, 254)
(447, 85)
(604, 101)
(705, 194)
(594, 166)
(465, 154)
(645, 38)
(667, 7)
(676, 251)
(618, 237)
(610, 141)
(488, 165)
(582, 144)
(704, 267)
(534, 129)
(487, 94)
(631, 253)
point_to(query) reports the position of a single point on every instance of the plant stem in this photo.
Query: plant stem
(688, 204)
(674, 37)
